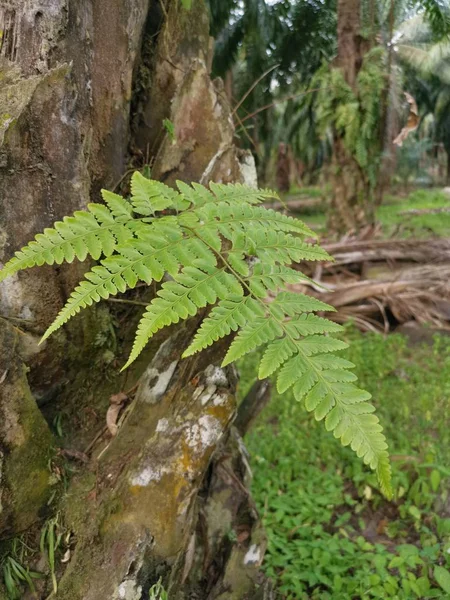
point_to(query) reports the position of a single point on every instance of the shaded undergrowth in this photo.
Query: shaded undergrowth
(331, 534)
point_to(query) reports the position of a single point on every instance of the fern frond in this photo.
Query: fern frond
(144, 261)
(293, 304)
(229, 315)
(149, 196)
(327, 393)
(196, 194)
(315, 344)
(254, 334)
(219, 249)
(291, 372)
(119, 207)
(229, 218)
(94, 233)
(266, 278)
(231, 193)
(273, 247)
(275, 355)
(195, 287)
(309, 324)
(237, 192)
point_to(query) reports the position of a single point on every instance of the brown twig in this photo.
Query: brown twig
(251, 88)
(133, 302)
(247, 135)
(281, 100)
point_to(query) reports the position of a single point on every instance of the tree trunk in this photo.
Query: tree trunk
(252, 405)
(447, 153)
(389, 125)
(85, 89)
(351, 206)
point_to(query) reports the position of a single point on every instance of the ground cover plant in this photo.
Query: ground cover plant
(331, 534)
(429, 216)
(422, 213)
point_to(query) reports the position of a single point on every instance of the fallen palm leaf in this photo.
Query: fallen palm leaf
(413, 121)
(379, 284)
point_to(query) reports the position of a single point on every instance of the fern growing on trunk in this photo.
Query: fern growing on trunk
(218, 247)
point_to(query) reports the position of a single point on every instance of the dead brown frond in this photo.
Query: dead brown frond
(380, 284)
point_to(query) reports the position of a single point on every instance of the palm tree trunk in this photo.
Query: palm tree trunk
(351, 206)
(448, 168)
(86, 87)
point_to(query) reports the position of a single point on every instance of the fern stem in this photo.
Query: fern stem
(124, 301)
(281, 323)
(266, 307)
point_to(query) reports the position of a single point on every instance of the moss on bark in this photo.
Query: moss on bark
(25, 443)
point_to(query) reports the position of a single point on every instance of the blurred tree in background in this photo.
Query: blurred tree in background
(317, 89)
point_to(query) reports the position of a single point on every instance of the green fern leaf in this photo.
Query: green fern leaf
(315, 344)
(197, 194)
(229, 315)
(192, 289)
(276, 354)
(266, 278)
(291, 372)
(274, 247)
(145, 261)
(84, 234)
(237, 192)
(293, 304)
(330, 361)
(304, 384)
(315, 396)
(308, 324)
(149, 196)
(220, 248)
(119, 207)
(240, 216)
(255, 333)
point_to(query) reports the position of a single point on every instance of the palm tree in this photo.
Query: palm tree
(287, 40)
(426, 64)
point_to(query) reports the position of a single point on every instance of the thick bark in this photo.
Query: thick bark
(351, 203)
(24, 438)
(64, 130)
(83, 85)
(447, 153)
(252, 405)
(349, 39)
(351, 208)
(389, 125)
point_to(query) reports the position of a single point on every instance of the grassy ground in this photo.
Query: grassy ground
(398, 224)
(411, 225)
(331, 534)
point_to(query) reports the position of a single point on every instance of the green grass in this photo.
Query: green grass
(424, 225)
(331, 534)
(402, 226)
(312, 191)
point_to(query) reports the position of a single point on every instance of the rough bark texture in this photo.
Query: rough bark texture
(350, 201)
(351, 206)
(349, 39)
(85, 88)
(64, 130)
(252, 405)
(24, 439)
